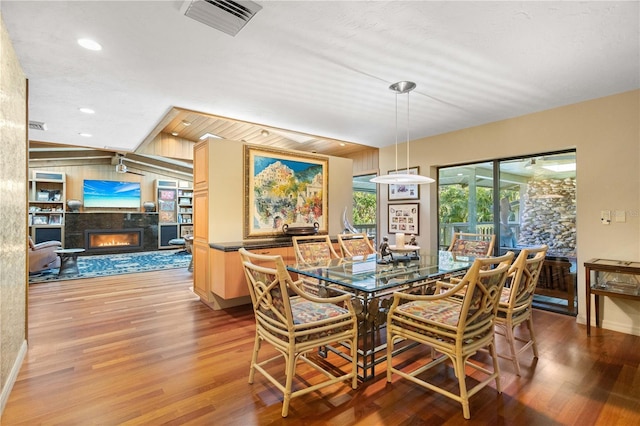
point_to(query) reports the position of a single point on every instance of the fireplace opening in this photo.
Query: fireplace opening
(113, 239)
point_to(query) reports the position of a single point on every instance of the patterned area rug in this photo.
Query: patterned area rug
(114, 264)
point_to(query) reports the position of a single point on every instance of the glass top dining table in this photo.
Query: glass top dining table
(372, 284)
(368, 275)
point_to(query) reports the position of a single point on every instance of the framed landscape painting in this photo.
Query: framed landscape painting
(404, 218)
(283, 187)
(404, 191)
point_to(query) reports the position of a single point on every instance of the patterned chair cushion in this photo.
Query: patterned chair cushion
(357, 247)
(471, 247)
(312, 252)
(439, 311)
(305, 312)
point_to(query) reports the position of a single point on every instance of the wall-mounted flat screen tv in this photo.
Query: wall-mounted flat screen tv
(112, 194)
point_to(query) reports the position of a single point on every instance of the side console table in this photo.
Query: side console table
(613, 278)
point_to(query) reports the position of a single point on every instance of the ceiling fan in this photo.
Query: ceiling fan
(122, 168)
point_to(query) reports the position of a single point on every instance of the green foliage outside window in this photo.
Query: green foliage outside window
(454, 203)
(364, 208)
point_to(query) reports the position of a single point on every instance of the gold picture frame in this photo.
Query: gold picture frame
(284, 187)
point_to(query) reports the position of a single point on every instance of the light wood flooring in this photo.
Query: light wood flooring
(141, 349)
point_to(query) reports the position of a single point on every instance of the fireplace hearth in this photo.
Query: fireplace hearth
(97, 240)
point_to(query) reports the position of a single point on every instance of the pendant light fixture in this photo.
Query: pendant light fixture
(402, 177)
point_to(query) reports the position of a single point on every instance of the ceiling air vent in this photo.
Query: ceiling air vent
(224, 15)
(37, 125)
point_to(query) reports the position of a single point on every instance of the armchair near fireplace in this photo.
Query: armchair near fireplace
(43, 255)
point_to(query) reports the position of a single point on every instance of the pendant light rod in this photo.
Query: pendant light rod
(400, 88)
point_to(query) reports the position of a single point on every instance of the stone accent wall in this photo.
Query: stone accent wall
(13, 211)
(549, 215)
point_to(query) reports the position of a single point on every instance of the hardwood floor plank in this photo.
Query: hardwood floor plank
(141, 349)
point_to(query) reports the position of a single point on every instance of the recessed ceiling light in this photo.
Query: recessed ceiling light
(342, 144)
(89, 44)
(186, 123)
(264, 133)
(174, 133)
(85, 135)
(87, 110)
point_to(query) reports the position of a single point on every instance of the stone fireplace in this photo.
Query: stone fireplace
(112, 239)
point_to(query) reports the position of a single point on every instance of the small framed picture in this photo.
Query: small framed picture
(167, 194)
(404, 218)
(55, 219)
(40, 219)
(404, 191)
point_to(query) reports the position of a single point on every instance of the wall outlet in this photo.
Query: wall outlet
(620, 216)
(605, 217)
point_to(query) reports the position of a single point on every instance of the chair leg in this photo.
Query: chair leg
(354, 362)
(389, 352)
(511, 340)
(290, 372)
(462, 384)
(496, 366)
(254, 358)
(532, 336)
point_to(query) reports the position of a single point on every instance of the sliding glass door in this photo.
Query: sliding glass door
(525, 201)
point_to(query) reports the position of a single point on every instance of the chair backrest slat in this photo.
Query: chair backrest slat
(268, 290)
(355, 245)
(485, 280)
(313, 248)
(468, 244)
(524, 274)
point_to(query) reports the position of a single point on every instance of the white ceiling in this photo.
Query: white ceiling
(317, 67)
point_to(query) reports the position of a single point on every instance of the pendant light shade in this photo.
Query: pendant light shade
(398, 177)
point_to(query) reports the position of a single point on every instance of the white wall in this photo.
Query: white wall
(606, 135)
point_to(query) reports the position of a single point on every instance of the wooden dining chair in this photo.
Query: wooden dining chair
(313, 248)
(453, 326)
(295, 324)
(356, 244)
(516, 300)
(468, 244)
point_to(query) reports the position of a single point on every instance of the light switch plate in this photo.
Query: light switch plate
(605, 217)
(620, 216)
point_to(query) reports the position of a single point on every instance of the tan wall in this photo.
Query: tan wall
(226, 172)
(606, 135)
(13, 211)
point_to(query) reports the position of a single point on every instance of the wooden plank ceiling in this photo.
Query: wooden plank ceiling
(173, 125)
(172, 132)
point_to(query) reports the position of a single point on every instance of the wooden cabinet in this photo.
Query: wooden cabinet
(200, 250)
(218, 275)
(46, 206)
(227, 275)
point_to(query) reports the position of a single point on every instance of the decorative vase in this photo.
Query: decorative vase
(149, 206)
(74, 205)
